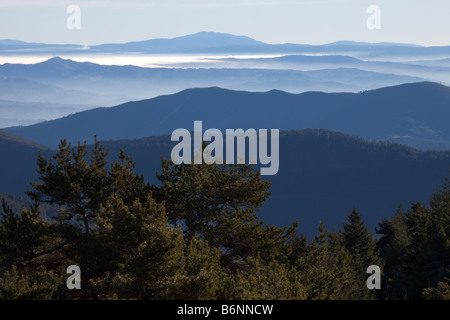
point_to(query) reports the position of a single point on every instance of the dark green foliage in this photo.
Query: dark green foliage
(416, 246)
(218, 203)
(29, 257)
(74, 183)
(325, 268)
(361, 246)
(197, 236)
(148, 254)
(266, 281)
(322, 175)
(18, 203)
(26, 240)
(204, 277)
(19, 285)
(440, 292)
(80, 185)
(199, 195)
(393, 246)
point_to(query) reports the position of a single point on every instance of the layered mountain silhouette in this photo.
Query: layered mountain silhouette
(24, 90)
(323, 174)
(14, 113)
(215, 42)
(137, 83)
(384, 91)
(434, 70)
(201, 41)
(412, 114)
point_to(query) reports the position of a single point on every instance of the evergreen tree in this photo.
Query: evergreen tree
(30, 263)
(204, 276)
(148, 254)
(73, 183)
(217, 204)
(325, 269)
(80, 185)
(27, 240)
(38, 284)
(440, 292)
(393, 246)
(200, 238)
(360, 244)
(266, 281)
(421, 238)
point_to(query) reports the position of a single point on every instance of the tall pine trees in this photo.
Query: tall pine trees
(218, 204)
(420, 238)
(197, 236)
(360, 244)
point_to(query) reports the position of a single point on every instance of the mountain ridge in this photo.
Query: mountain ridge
(209, 42)
(413, 114)
(138, 83)
(315, 164)
(202, 35)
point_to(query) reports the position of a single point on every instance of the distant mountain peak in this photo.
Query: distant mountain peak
(212, 35)
(191, 42)
(59, 63)
(66, 64)
(57, 59)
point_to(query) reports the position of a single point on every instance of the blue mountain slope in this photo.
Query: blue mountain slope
(322, 176)
(197, 41)
(414, 114)
(140, 83)
(220, 43)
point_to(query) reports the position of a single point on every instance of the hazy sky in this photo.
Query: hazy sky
(425, 22)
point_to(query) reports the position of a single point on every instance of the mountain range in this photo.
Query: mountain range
(342, 109)
(323, 174)
(413, 114)
(205, 59)
(433, 70)
(132, 82)
(77, 86)
(215, 42)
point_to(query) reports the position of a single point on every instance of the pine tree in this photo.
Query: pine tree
(30, 262)
(416, 247)
(428, 256)
(266, 281)
(325, 269)
(440, 292)
(148, 253)
(204, 276)
(218, 204)
(393, 245)
(26, 240)
(127, 185)
(38, 284)
(360, 244)
(74, 183)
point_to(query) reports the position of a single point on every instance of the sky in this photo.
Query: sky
(424, 22)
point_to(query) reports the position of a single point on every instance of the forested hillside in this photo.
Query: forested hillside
(196, 235)
(414, 114)
(322, 175)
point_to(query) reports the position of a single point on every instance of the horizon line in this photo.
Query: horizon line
(337, 42)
